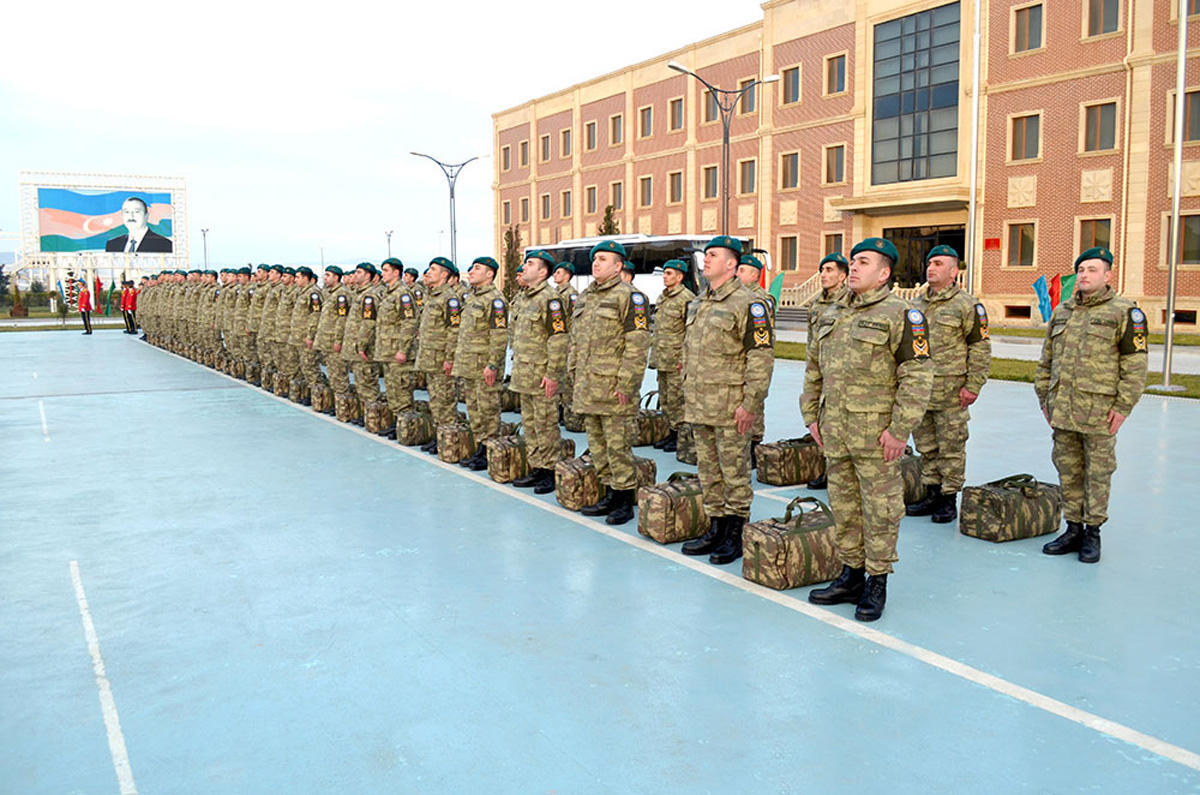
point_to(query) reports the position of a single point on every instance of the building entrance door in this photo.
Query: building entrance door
(914, 242)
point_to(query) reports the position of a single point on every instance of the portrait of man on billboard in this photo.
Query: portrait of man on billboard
(139, 237)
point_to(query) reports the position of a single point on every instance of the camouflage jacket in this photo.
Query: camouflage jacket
(331, 325)
(610, 332)
(728, 355)
(821, 304)
(482, 334)
(396, 328)
(439, 328)
(958, 343)
(670, 318)
(228, 305)
(869, 365)
(569, 296)
(763, 296)
(1093, 360)
(539, 340)
(306, 311)
(269, 323)
(258, 297)
(283, 312)
(364, 315)
(206, 305)
(241, 309)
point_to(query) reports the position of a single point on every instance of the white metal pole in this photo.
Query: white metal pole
(1175, 236)
(970, 251)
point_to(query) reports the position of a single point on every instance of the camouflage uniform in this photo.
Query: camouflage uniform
(962, 356)
(667, 354)
(331, 329)
(821, 304)
(868, 370)
(539, 350)
(360, 339)
(482, 342)
(440, 318)
(610, 336)
(302, 325)
(396, 331)
(1093, 361)
(569, 297)
(287, 357)
(760, 423)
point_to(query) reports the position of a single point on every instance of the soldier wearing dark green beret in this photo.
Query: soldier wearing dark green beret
(331, 329)
(666, 357)
(396, 338)
(866, 386)
(962, 356)
(1091, 374)
(479, 355)
(415, 286)
(267, 354)
(749, 272)
(359, 340)
(440, 321)
(832, 271)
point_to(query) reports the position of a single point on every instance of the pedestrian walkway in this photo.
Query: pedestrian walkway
(204, 588)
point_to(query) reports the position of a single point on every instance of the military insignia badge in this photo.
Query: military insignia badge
(314, 302)
(638, 313)
(979, 330)
(453, 312)
(343, 306)
(558, 324)
(637, 298)
(368, 311)
(915, 341)
(1134, 339)
(760, 326)
(406, 307)
(499, 314)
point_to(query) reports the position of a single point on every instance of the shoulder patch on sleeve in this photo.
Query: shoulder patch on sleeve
(368, 310)
(343, 306)
(759, 333)
(1134, 338)
(638, 317)
(556, 320)
(314, 302)
(499, 313)
(914, 342)
(453, 313)
(979, 328)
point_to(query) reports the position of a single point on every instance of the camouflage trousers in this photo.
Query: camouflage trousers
(266, 353)
(866, 494)
(443, 403)
(941, 439)
(670, 395)
(483, 408)
(339, 372)
(565, 388)
(723, 463)
(1085, 464)
(539, 424)
(366, 381)
(287, 360)
(248, 346)
(398, 381)
(310, 366)
(608, 440)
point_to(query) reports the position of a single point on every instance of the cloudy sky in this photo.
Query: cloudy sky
(293, 128)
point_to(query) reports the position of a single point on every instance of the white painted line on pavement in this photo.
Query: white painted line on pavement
(45, 427)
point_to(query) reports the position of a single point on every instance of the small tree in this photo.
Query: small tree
(37, 286)
(62, 310)
(608, 225)
(18, 308)
(4, 278)
(513, 256)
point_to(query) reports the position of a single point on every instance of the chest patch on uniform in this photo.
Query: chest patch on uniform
(637, 311)
(453, 312)
(343, 306)
(499, 314)
(760, 325)
(1134, 338)
(558, 323)
(915, 342)
(314, 302)
(368, 312)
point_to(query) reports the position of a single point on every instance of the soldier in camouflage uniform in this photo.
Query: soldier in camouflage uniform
(331, 329)
(396, 338)
(866, 386)
(415, 286)
(264, 299)
(749, 272)
(832, 271)
(225, 314)
(287, 358)
(301, 324)
(539, 364)
(728, 357)
(1091, 374)
(567, 293)
(440, 319)
(611, 330)
(478, 357)
(366, 370)
(962, 356)
(666, 357)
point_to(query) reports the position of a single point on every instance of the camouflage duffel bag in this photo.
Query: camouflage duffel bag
(576, 484)
(455, 442)
(253, 373)
(419, 380)
(910, 471)
(414, 427)
(672, 511)
(378, 417)
(509, 400)
(506, 459)
(238, 369)
(571, 421)
(790, 461)
(281, 384)
(685, 445)
(346, 407)
(652, 425)
(322, 398)
(788, 553)
(1018, 506)
(298, 391)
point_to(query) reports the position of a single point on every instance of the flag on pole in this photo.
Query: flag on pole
(776, 287)
(96, 295)
(1061, 288)
(112, 287)
(1043, 296)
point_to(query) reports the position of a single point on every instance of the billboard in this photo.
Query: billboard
(83, 219)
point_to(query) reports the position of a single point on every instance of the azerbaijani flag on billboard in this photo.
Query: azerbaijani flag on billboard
(85, 220)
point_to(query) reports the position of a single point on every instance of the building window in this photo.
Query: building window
(566, 204)
(747, 176)
(749, 100)
(710, 182)
(1191, 115)
(835, 164)
(1025, 135)
(788, 257)
(1101, 17)
(1017, 312)
(1189, 248)
(675, 187)
(1193, 7)
(1020, 245)
(1027, 28)
(616, 195)
(833, 243)
(525, 210)
(646, 191)
(565, 143)
(914, 133)
(1100, 127)
(506, 212)
(544, 150)
(645, 122)
(616, 130)
(523, 152)
(789, 170)
(589, 199)
(545, 206)
(835, 72)
(505, 158)
(791, 84)
(589, 136)
(712, 111)
(1095, 232)
(675, 112)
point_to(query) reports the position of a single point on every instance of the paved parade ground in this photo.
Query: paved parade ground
(207, 589)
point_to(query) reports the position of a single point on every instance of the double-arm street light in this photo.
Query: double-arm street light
(204, 234)
(389, 239)
(451, 171)
(726, 99)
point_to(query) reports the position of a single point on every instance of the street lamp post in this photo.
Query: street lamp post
(389, 239)
(204, 234)
(451, 171)
(726, 100)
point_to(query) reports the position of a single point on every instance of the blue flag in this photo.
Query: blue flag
(1043, 294)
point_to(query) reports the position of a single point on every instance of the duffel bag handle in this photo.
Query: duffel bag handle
(674, 476)
(653, 393)
(799, 501)
(1024, 479)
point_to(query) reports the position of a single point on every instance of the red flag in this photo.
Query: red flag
(1055, 290)
(96, 295)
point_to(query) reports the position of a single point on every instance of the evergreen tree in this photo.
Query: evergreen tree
(513, 257)
(608, 225)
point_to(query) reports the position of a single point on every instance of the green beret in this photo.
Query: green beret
(194, 270)
(276, 268)
(941, 251)
(445, 263)
(880, 246)
(304, 270)
(335, 270)
(750, 259)
(725, 241)
(834, 257)
(263, 267)
(541, 254)
(289, 271)
(566, 266)
(488, 261)
(629, 266)
(676, 264)
(412, 272)
(1096, 252)
(245, 269)
(607, 245)
(395, 263)
(365, 266)
(520, 267)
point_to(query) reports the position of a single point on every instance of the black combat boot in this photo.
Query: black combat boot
(926, 505)
(623, 505)
(731, 542)
(602, 508)
(818, 483)
(671, 443)
(470, 462)
(391, 432)
(1068, 541)
(946, 510)
(754, 455)
(529, 479)
(708, 542)
(1089, 547)
(870, 606)
(546, 484)
(848, 587)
